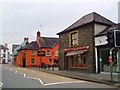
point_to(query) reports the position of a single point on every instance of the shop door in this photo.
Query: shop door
(66, 62)
(24, 63)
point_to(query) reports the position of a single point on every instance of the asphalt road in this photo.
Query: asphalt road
(16, 77)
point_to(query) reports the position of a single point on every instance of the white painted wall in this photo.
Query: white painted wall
(6, 54)
(99, 28)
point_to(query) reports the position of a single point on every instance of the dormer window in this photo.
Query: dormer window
(73, 38)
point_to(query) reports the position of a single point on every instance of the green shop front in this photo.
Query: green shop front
(104, 62)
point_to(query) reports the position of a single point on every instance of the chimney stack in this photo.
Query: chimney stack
(25, 39)
(38, 34)
(6, 45)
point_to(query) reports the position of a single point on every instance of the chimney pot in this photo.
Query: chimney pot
(25, 39)
(38, 34)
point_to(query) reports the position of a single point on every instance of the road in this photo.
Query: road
(17, 77)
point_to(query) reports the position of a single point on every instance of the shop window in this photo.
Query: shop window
(79, 61)
(48, 53)
(33, 52)
(73, 38)
(32, 61)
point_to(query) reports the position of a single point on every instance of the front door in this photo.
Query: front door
(24, 63)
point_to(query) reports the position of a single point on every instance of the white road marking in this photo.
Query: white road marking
(16, 72)
(63, 83)
(1, 84)
(41, 81)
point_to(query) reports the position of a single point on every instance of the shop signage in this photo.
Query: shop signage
(41, 53)
(77, 48)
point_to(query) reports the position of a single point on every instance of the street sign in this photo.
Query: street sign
(110, 58)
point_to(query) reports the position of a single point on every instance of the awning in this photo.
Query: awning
(75, 52)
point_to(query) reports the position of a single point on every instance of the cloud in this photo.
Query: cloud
(23, 19)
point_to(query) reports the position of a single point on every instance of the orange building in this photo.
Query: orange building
(43, 51)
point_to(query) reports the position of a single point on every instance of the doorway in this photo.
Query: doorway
(24, 63)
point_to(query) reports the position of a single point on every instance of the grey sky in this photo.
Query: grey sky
(23, 19)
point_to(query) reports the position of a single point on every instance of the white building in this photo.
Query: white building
(4, 54)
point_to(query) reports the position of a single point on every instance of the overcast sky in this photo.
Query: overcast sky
(23, 18)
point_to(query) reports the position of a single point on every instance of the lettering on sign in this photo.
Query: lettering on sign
(77, 48)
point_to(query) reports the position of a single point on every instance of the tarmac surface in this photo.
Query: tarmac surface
(103, 78)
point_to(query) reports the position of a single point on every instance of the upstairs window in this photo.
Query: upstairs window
(57, 53)
(33, 52)
(48, 53)
(73, 38)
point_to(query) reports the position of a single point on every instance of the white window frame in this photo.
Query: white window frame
(48, 53)
(57, 53)
(33, 52)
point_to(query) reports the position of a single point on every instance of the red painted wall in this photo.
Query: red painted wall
(38, 59)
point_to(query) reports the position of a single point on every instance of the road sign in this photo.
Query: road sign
(110, 58)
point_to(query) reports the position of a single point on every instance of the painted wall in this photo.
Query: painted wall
(38, 59)
(99, 28)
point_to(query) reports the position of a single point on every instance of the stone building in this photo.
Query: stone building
(77, 43)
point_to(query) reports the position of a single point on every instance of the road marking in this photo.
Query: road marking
(1, 84)
(24, 75)
(15, 72)
(63, 83)
(41, 81)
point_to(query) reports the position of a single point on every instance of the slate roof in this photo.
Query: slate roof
(14, 46)
(3, 47)
(31, 46)
(20, 46)
(47, 42)
(92, 17)
(113, 27)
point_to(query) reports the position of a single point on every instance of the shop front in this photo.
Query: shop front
(76, 57)
(104, 62)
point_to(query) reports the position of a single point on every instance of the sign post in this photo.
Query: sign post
(119, 61)
(111, 64)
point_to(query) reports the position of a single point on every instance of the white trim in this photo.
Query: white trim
(1, 84)
(96, 59)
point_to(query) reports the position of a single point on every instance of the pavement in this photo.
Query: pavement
(104, 78)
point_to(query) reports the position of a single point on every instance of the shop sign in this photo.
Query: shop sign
(41, 53)
(77, 48)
